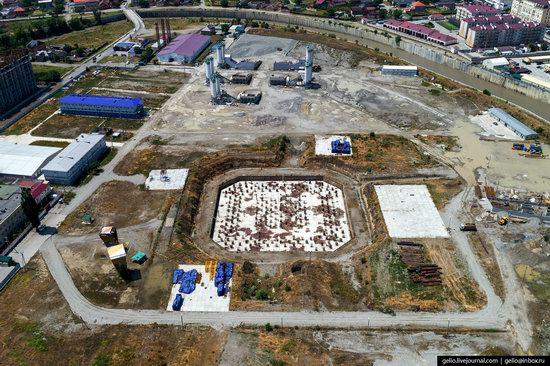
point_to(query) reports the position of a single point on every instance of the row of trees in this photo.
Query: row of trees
(45, 28)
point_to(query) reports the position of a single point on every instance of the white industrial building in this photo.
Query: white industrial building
(24, 161)
(73, 162)
(399, 70)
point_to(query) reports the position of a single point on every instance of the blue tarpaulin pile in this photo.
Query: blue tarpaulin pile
(224, 272)
(188, 280)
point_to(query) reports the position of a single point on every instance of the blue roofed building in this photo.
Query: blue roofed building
(103, 106)
(513, 124)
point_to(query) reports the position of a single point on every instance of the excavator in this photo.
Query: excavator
(503, 221)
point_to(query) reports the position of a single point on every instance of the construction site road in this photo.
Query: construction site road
(486, 319)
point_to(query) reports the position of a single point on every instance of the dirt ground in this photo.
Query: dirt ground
(528, 246)
(117, 203)
(374, 153)
(295, 285)
(144, 81)
(156, 154)
(32, 119)
(444, 142)
(67, 126)
(486, 255)
(390, 287)
(42, 331)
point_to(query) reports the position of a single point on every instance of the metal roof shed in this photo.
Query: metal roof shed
(519, 128)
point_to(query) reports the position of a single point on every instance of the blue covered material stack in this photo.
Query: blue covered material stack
(178, 302)
(340, 147)
(224, 272)
(176, 277)
(188, 280)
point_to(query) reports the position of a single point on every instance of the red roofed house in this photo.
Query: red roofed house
(420, 31)
(83, 5)
(416, 7)
(20, 12)
(469, 11)
(39, 189)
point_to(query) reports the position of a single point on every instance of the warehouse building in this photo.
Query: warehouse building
(184, 48)
(12, 217)
(103, 106)
(24, 161)
(73, 161)
(17, 81)
(399, 70)
(513, 124)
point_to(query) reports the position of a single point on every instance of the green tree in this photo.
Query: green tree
(397, 14)
(268, 327)
(225, 27)
(224, 3)
(97, 16)
(383, 13)
(486, 92)
(30, 207)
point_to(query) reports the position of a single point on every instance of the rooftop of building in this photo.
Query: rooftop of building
(541, 3)
(478, 9)
(492, 18)
(23, 160)
(101, 100)
(511, 121)
(185, 45)
(10, 199)
(72, 154)
(37, 186)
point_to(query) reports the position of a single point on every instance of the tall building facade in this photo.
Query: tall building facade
(499, 4)
(17, 81)
(469, 11)
(537, 11)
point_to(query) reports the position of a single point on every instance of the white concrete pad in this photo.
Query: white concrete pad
(409, 212)
(492, 127)
(323, 145)
(275, 216)
(205, 296)
(173, 179)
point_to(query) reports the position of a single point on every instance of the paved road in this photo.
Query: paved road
(485, 319)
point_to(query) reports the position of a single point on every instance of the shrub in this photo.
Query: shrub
(268, 327)
(486, 92)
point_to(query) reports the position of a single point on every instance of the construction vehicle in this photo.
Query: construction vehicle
(503, 221)
(535, 149)
(468, 227)
(517, 146)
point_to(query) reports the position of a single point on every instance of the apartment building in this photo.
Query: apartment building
(537, 11)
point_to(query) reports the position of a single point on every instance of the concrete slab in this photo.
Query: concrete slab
(173, 179)
(323, 145)
(492, 127)
(205, 297)
(409, 212)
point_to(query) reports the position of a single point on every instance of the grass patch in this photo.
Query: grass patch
(95, 37)
(435, 92)
(108, 157)
(33, 119)
(175, 23)
(102, 359)
(43, 69)
(448, 25)
(60, 144)
(69, 126)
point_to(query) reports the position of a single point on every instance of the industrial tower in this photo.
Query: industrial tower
(220, 54)
(308, 77)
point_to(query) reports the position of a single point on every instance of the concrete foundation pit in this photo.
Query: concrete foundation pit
(281, 215)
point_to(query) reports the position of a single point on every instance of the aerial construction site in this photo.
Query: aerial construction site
(286, 197)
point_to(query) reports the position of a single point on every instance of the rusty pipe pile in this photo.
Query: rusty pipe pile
(418, 266)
